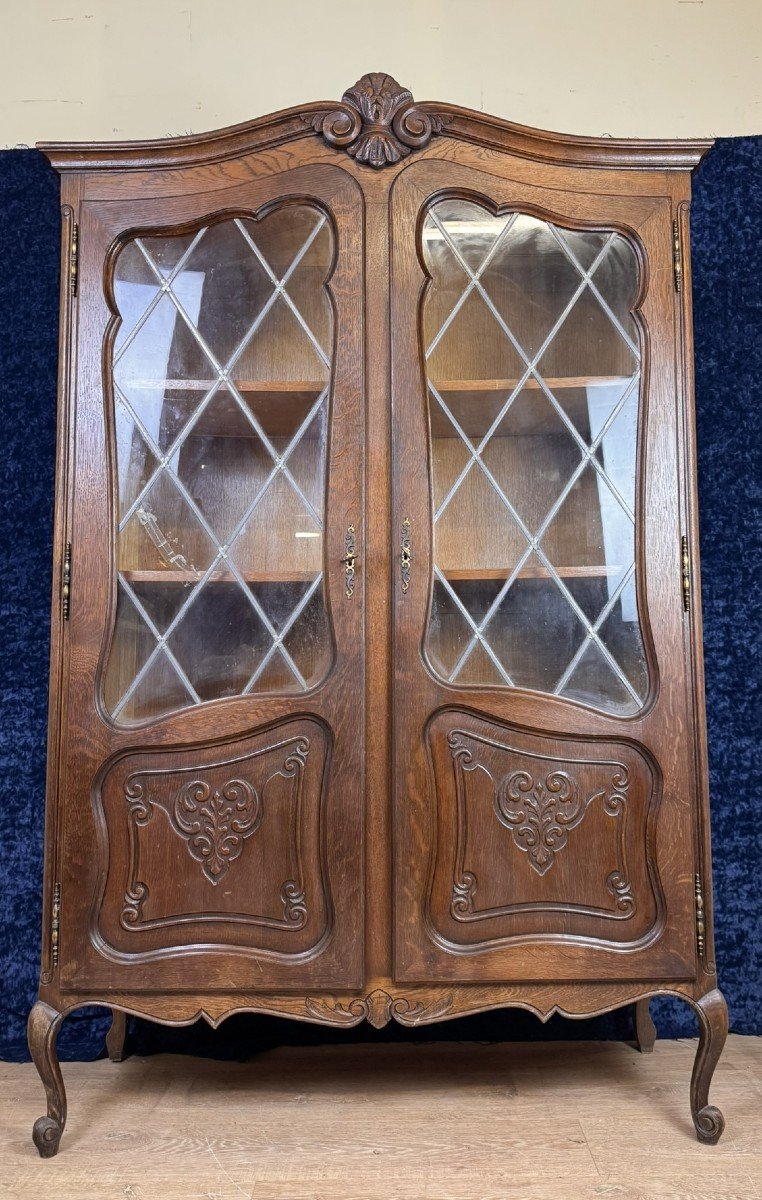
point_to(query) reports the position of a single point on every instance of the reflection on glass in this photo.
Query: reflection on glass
(533, 370)
(220, 376)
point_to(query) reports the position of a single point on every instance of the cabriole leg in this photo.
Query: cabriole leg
(116, 1035)
(645, 1030)
(42, 1031)
(713, 1015)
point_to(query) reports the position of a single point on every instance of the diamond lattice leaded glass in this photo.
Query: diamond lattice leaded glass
(220, 373)
(533, 372)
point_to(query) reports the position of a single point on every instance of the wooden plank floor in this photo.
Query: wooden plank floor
(572, 1121)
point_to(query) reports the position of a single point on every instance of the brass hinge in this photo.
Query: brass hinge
(685, 572)
(677, 257)
(700, 919)
(74, 260)
(66, 582)
(55, 924)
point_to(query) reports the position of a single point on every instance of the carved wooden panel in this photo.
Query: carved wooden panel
(540, 836)
(221, 845)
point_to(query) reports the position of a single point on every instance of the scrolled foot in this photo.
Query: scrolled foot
(46, 1136)
(713, 1016)
(43, 1025)
(709, 1124)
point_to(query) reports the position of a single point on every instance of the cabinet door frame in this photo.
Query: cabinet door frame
(578, 199)
(88, 738)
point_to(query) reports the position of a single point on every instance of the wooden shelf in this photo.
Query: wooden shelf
(185, 577)
(453, 573)
(279, 405)
(508, 385)
(477, 573)
(273, 386)
(265, 386)
(476, 404)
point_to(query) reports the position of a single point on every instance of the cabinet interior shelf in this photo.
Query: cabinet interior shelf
(172, 576)
(160, 576)
(476, 573)
(281, 405)
(274, 386)
(244, 386)
(476, 404)
(558, 383)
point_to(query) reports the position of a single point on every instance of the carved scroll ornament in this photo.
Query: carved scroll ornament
(377, 121)
(539, 801)
(215, 822)
(379, 1008)
(541, 811)
(214, 813)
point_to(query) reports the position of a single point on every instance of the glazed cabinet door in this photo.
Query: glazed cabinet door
(211, 789)
(544, 772)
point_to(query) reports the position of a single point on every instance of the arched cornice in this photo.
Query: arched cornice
(377, 122)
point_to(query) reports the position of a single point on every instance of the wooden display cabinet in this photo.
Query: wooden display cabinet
(376, 678)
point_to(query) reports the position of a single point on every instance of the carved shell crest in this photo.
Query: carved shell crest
(377, 121)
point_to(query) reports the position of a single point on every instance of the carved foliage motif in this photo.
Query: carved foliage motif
(378, 1007)
(377, 121)
(215, 822)
(540, 807)
(541, 811)
(214, 819)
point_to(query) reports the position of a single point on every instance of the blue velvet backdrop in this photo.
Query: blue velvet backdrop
(727, 266)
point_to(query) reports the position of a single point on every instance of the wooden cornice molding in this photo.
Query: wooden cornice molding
(378, 122)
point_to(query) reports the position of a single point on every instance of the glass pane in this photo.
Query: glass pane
(533, 371)
(221, 367)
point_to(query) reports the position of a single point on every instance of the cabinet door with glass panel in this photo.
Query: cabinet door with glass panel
(221, 376)
(225, 790)
(536, 652)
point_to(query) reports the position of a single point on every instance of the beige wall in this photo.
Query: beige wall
(74, 69)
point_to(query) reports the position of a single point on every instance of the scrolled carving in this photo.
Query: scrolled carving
(214, 808)
(378, 1008)
(621, 889)
(377, 121)
(134, 899)
(296, 759)
(215, 822)
(139, 806)
(615, 800)
(540, 813)
(461, 753)
(340, 127)
(414, 127)
(333, 1012)
(463, 891)
(294, 903)
(406, 1013)
(539, 798)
